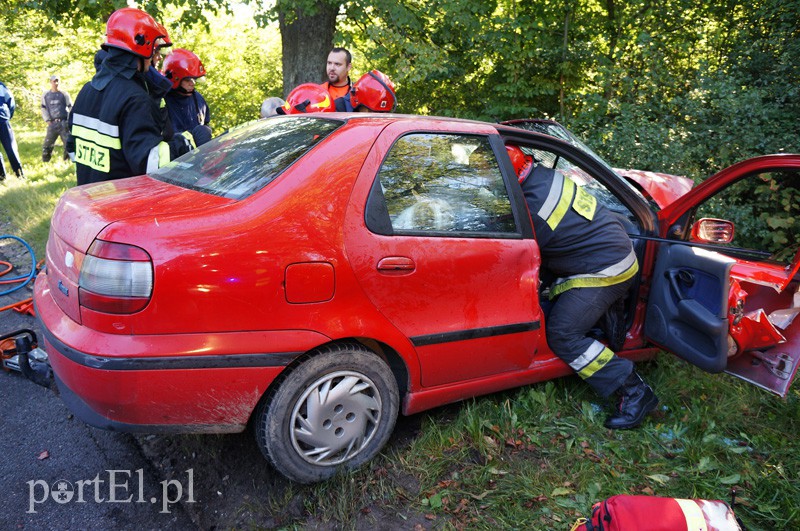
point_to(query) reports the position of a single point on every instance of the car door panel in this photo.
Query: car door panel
(687, 312)
(763, 347)
(456, 275)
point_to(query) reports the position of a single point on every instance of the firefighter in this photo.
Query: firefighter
(187, 107)
(587, 248)
(115, 125)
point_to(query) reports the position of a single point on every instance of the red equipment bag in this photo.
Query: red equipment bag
(625, 512)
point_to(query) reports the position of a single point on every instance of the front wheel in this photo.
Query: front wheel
(335, 410)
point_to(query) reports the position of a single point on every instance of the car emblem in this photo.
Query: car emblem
(69, 259)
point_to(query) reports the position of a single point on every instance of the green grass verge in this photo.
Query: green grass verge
(537, 457)
(27, 204)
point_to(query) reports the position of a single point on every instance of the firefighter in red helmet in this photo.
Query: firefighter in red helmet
(115, 125)
(522, 163)
(590, 255)
(188, 110)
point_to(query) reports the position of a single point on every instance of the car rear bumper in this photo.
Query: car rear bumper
(163, 383)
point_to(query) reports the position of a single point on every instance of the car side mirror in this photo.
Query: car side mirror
(710, 230)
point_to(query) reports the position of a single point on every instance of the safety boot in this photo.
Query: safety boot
(635, 400)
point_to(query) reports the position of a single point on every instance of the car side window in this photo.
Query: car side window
(764, 208)
(445, 184)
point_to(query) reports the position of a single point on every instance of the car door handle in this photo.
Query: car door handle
(396, 265)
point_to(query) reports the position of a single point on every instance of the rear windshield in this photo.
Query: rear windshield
(243, 160)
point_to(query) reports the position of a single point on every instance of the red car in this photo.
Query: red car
(316, 275)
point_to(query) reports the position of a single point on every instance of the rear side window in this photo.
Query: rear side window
(240, 162)
(445, 184)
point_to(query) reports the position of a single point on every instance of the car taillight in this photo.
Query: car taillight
(115, 278)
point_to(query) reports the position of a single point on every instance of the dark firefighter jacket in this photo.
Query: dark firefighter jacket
(187, 111)
(116, 126)
(580, 240)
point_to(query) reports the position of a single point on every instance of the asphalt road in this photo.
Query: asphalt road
(59, 473)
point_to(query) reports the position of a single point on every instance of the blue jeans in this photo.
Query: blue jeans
(10, 145)
(573, 314)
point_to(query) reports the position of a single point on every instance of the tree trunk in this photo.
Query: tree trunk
(307, 37)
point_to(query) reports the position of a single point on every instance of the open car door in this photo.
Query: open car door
(724, 294)
(687, 312)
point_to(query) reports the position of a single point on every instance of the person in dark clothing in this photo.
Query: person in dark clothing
(116, 126)
(56, 105)
(188, 110)
(587, 248)
(7, 108)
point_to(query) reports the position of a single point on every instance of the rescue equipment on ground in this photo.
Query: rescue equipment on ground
(22, 280)
(625, 512)
(19, 349)
(20, 352)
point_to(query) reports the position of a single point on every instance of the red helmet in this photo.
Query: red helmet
(375, 91)
(522, 163)
(164, 41)
(182, 64)
(135, 31)
(308, 97)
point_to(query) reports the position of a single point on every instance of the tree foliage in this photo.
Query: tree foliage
(678, 86)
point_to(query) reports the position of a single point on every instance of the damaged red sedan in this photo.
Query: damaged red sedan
(315, 276)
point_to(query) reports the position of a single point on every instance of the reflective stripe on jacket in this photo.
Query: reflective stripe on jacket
(580, 240)
(117, 132)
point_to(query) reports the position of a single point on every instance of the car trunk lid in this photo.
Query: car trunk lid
(83, 212)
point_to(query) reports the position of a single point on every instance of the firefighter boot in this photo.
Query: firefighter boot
(636, 400)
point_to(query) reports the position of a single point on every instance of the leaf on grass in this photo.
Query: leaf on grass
(435, 501)
(731, 480)
(561, 491)
(497, 472)
(659, 478)
(480, 496)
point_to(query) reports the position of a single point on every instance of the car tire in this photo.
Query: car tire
(356, 399)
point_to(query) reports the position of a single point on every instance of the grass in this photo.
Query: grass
(534, 458)
(28, 203)
(539, 457)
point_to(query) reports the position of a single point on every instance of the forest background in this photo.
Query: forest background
(679, 86)
(683, 87)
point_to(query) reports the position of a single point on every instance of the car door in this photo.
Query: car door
(448, 254)
(731, 305)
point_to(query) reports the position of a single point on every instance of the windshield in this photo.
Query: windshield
(240, 162)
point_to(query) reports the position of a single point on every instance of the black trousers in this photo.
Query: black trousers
(571, 317)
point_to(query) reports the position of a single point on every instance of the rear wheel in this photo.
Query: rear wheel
(335, 410)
